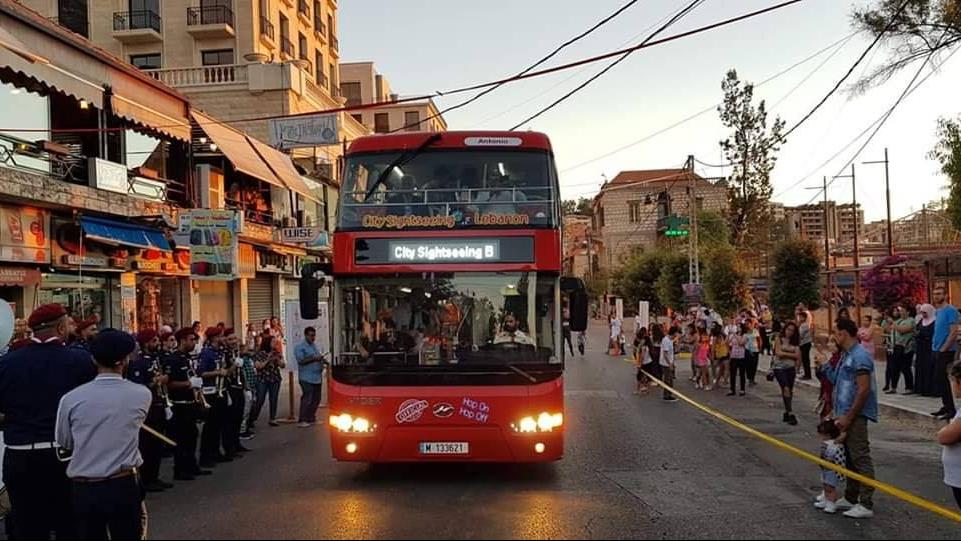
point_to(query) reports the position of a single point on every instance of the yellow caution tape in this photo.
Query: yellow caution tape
(878, 485)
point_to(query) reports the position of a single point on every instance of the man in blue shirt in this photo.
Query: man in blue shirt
(944, 345)
(855, 403)
(311, 366)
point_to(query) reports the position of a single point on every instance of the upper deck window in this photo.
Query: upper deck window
(445, 189)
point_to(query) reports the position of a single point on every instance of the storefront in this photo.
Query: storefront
(163, 281)
(260, 298)
(216, 302)
(24, 248)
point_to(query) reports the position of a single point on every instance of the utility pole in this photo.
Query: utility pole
(887, 189)
(829, 277)
(857, 241)
(693, 259)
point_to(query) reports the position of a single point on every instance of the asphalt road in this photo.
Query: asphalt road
(635, 467)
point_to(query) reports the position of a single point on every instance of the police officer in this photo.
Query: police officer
(147, 371)
(211, 368)
(100, 422)
(187, 408)
(84, 330)
(33, 379)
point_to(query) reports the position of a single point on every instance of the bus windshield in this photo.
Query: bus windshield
(467, 320)
(442, 188)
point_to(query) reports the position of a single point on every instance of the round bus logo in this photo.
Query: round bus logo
(411, 410)
(443, 410)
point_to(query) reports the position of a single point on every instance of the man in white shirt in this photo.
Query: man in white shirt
(667, 363)
(511, 333)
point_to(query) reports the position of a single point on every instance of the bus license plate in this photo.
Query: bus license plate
(444, 448)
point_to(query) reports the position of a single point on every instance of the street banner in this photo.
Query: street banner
(644, 314)
(214, 243)
(304, 131)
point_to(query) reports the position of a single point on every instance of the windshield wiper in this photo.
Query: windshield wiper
(398, 162)
(522, 373)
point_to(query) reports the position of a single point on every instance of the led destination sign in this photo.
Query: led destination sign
(441, 251)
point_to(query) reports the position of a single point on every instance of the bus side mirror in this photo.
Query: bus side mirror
(578, 306)
(311, 280)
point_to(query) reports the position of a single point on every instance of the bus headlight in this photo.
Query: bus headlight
(347, 423)
(545, 422)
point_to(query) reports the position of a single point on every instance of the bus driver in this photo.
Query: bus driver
(510, 333)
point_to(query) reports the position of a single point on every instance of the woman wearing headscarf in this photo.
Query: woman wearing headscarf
(924, 371)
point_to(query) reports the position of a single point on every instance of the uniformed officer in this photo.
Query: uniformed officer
(182, 385)
(211, 368)
(100, 422)
(83, 331)
(33, 379)
(235, 392)
(147, 371)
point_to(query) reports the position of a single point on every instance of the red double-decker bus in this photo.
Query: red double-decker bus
(449, 307)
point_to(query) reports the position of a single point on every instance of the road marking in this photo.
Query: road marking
(883, 487)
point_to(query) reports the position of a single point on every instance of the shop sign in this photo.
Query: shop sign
(312, 237)
(214, 243)
(68, 250)
(274, 262)
(176, 263)
(19, 276)
(24, 235)
(304, 131)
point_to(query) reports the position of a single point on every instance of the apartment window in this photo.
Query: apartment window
(334, 85)
(286, 46)
(146, 61)
(218, 57)
(600, 217)
(381, 122)
(318, 25)
(634, 211)
(143, 14)
(351, 91)
(412, 120)
(358, 117)
(319, 62)
(72, 14)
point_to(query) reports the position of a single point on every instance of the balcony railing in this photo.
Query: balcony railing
(287, 47)
(201, 76)
(210, 15)
(319, 27)
(144, 19)
(267, 28)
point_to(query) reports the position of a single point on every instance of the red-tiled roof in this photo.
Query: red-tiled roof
(651, 176)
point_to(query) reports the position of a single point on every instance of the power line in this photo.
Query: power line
(529, 75)
(550, 55)
(854, 66)
(702, 112)
(680, 15)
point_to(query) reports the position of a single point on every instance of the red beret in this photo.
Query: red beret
(229, 331)
(82, 324)
(213, 331)
(184, 333)
(46, 314)
(145, 336)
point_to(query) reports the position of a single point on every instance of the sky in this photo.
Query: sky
(425, 46)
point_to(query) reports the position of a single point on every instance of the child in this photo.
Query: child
(702, 359)
(642, 360)
(950, 438)
(720, 354)
(738, 360)
(832, 450)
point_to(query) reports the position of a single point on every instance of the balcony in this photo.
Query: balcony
(286, 48)
(320, 29)
(229, 74)
(210, 22)
(143, 26)
(267, 29)
(303, 12)
(334, 45)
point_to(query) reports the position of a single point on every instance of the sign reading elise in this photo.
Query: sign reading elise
(443, 252)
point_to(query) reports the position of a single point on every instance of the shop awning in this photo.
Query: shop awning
(124, 234)
(235, 146)
(283, 167)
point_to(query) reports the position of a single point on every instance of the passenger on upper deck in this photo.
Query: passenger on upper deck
(500, 197)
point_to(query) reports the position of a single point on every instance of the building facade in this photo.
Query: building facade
(581, 247)
(808, 221)
(101, 177)
(361, 85)
(630, 209)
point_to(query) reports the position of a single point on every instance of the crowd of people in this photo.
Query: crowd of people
(919, 344)
(89, 415)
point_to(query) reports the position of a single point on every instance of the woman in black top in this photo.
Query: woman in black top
(657, 335)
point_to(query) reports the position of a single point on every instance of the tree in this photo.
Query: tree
(636, 280)
(888, 286)
(725, 282)
(751, 149)
(913, 30)
(948, 152)
(584, 205)
(670, 282)
(795, 276)
(712, 230)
